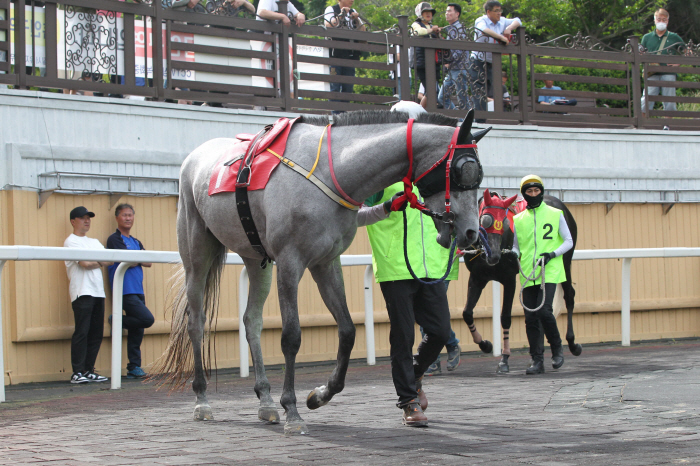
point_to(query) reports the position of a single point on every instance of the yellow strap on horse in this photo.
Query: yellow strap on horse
(311, 177)
(318, 153)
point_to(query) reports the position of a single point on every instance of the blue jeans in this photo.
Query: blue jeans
(137, 318)
(454, 87)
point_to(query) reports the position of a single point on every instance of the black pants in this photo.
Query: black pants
(89, 314)
(420, 74)
(409, 302)
(137, 318)
(542, 320)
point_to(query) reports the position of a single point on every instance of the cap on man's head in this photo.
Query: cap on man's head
(423, 6)
(80, 212)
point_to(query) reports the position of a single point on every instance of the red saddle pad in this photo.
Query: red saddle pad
(225, 171)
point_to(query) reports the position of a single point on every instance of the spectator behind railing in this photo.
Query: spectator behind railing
(268, 11)
(342, 15)
(661, 42)
(423, 27)
(87, 294)
(456, 68)
(490, 28)
(552, 99)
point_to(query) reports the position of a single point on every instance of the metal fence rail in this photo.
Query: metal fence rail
(26, 253)
(143, 49)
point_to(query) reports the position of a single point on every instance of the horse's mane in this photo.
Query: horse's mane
(378, 117)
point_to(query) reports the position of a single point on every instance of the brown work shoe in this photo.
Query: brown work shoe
(421, 394)
(413, 415)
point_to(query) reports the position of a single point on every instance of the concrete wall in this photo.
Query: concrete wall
(45, 132)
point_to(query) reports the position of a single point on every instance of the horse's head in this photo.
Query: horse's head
(458, 197)
(493, 217)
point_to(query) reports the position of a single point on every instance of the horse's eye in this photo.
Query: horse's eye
(486, 221)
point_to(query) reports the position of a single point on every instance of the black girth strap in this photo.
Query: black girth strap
(242, 203)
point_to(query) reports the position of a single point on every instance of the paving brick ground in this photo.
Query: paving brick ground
(610, 406)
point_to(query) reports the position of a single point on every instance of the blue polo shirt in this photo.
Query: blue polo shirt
(133, 278)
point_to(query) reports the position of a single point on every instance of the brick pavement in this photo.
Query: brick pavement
(611, 406)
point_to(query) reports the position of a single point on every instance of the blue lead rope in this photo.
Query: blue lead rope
(408, 264)
(484, 241)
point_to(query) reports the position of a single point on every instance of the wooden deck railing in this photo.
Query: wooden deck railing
(142, 49)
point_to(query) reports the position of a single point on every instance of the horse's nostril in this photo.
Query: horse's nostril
(471, 235)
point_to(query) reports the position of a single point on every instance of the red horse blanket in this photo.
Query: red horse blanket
(225, 171)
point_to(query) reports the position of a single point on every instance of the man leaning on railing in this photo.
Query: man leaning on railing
(268, 10)
(661, 42)
(491, 28)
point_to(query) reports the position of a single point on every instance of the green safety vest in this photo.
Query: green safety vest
(538, 232)
(428, 259)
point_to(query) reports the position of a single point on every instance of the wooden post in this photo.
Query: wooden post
(636, 86)
(283, 56)
(430, 80)
(405, 91)
(20, 46)
(157, 28)
(522, 77)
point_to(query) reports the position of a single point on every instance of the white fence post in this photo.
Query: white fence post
(626, 304)
(117, 301)
(2, 352)
(496, 316)
(369, 316)
(242, 339)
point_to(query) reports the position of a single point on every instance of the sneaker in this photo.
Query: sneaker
(433, 369)
(78, 377)
(92, 376)
(135, 373)
(413, 415)
(453, 358)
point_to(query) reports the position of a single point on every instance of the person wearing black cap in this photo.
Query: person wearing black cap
(87, 294)
(541, 237)
(423, 27)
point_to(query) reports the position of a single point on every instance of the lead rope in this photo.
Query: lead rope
(408, 264)
(531, 277)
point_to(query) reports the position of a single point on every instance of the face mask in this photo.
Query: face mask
(661, 26)
(534, 202)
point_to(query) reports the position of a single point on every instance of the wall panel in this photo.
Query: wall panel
(38, 321)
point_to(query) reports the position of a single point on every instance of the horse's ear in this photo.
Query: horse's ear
(480, 134)
(509, 201)
(487, 197)
(466, 129)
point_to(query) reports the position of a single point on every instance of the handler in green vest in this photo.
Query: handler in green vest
(408, 301)
(541, 235)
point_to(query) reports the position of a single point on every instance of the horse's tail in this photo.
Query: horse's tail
(177, 362)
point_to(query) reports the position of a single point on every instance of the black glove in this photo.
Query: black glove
(397, 202)
(547, 256)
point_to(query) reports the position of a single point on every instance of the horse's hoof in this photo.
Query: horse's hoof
(317, 397)
(268, 414)
(575, 349)
(502, 368)
(203, 413)
(486, 346)
(295, 428)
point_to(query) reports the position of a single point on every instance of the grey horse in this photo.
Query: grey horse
(300, 228)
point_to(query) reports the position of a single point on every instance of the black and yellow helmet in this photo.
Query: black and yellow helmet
(531, 181)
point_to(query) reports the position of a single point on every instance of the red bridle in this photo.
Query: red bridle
(447, 216)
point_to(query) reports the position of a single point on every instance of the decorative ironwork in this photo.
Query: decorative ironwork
(577, 42)
(691, 50)
(91, 42)
(229, 8)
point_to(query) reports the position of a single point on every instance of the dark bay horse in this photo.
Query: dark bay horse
(502, 266)
(301, 227)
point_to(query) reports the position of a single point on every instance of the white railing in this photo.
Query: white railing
(26, 253)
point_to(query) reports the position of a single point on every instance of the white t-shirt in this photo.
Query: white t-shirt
(83, 282)
(271, 5)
